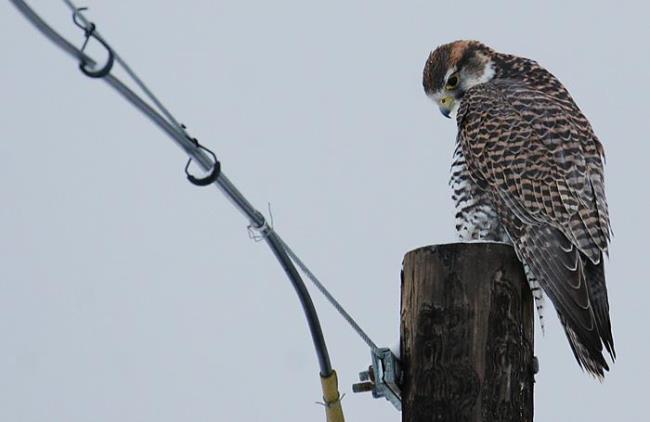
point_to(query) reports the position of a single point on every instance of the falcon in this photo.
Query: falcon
(528, 170)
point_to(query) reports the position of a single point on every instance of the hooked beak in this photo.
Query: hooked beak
(446, 105)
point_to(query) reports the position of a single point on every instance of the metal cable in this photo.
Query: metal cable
(332, 300)
(177, 132)
(172, 128)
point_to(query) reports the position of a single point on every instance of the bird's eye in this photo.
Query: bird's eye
(452, 82)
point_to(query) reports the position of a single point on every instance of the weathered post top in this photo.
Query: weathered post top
(466, 335)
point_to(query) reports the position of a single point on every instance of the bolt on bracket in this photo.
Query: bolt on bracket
(382, 378)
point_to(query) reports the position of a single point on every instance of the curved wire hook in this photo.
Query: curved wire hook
(89, 31)
(214, 172)
(75, 16)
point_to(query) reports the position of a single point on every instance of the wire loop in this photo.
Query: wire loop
(89, 31)
(214, 172)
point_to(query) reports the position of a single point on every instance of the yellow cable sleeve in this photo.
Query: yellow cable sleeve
(332, 398)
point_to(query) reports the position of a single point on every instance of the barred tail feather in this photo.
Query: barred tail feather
(588, 358)
(577, 289)
(595, 275)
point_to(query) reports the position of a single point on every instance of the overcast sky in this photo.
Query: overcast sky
(128, 294)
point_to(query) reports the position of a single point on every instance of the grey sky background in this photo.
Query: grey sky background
(128, 294)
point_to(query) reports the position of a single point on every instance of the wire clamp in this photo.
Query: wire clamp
(89, 31)
(260, 233)
(383, 378)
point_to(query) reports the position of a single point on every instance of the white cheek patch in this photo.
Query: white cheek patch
(488, 73)
(486, 76)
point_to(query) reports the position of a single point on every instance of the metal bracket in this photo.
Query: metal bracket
(382, 378)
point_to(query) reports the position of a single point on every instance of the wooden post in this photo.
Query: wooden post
(466, 335)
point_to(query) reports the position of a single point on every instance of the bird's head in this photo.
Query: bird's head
(454, 68)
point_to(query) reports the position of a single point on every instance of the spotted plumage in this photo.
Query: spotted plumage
(528, 169)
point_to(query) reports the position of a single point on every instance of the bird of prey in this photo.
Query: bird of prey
(528, 170)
